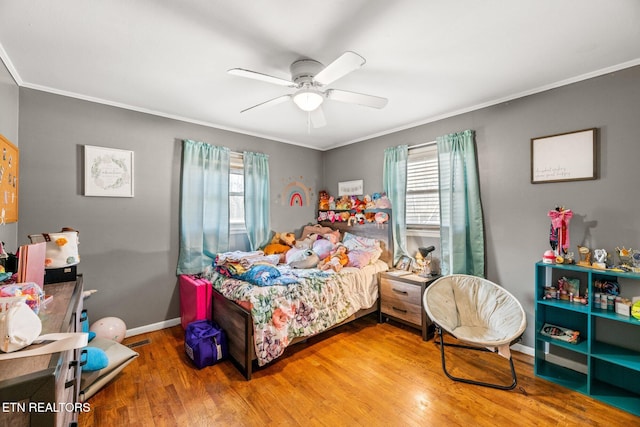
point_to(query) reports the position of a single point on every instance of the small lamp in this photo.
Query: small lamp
(426, 256)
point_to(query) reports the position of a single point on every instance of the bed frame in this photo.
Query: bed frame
(236, 321)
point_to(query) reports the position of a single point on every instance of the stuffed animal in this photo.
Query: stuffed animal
(324, 200)
(370, 216)
(308, 259)
(383, 202)
(332, 203)
(336, 260)
(368, 202)
(306, 243)
(344, 203)
(356, 218)
(95, 358)
(280, 244)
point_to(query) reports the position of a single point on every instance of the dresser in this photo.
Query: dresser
(43, 390)
(401, 300)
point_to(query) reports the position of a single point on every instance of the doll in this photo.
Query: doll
(336, 260)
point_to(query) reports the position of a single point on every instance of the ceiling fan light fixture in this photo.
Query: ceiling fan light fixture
(308, 99)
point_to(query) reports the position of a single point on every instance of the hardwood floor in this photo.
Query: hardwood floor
(361, 374)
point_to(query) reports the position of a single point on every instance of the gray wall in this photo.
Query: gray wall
(606, 210)
(9, 129)
(129, 246)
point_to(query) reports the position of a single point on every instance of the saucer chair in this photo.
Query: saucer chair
(479, 314)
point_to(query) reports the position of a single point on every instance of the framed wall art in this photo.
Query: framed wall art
(9, 173)
(570, 156)
(351, 188)
(108, 172)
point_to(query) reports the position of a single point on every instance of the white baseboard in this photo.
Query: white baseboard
(153, 327)
(523, 349)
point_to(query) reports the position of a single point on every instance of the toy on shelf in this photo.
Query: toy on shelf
(600, 256)
(560, 333)
(625, 259)
(585, 256)
(559, 232)
(323, 203)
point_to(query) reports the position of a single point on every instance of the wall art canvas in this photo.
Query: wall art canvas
(108, 172)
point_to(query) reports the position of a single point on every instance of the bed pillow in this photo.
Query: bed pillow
(359, 258)
(364, 244)
(323, 247)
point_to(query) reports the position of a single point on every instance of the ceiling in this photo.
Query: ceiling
(430, 59)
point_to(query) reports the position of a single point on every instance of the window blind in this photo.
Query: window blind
(422, 203)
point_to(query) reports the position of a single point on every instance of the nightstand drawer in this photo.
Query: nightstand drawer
(411, 313)
(396, 290)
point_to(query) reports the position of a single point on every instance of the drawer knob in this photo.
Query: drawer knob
(398, 291)
(399, 309)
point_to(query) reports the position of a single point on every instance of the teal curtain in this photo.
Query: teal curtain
(204, 205)
(461, 223)
(256, 198)
(394, 181)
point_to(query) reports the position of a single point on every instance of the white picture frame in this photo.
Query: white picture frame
(351, 188)
(570, 156)
(108, 172)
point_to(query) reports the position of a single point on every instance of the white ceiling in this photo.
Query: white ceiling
(431, 59)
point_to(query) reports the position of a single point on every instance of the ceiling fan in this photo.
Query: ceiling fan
(309, 77)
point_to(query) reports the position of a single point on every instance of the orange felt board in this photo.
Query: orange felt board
(9, 173)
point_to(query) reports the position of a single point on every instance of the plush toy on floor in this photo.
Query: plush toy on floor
(96, 358)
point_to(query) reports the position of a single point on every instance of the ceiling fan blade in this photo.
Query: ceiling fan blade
(317, 118)
(241, 72)
(356, 98)
(269, 103)
(346, 63)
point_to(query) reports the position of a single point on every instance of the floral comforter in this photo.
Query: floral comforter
(312, 304)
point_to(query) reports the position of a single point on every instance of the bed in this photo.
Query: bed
(262, 321)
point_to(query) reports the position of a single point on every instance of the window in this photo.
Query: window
(423, 202)
(236, 193)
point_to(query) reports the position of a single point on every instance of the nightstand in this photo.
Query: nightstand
(401, 300)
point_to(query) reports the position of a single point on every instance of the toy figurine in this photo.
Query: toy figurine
(600, 256)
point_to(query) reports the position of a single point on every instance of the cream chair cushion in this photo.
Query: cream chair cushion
(475, 310)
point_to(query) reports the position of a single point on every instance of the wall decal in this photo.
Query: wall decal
(296, 193)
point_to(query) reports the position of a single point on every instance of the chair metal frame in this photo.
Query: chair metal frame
(442, 344)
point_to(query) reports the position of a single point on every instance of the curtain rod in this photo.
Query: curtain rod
(424, 144)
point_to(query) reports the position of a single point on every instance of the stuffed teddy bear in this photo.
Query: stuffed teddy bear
(280, 244)
(344, 203)
(324, 200)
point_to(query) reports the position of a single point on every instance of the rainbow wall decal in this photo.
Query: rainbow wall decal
(296, 194)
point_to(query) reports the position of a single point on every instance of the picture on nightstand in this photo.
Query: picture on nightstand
(404, 263)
